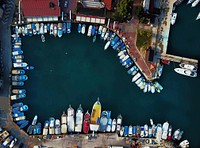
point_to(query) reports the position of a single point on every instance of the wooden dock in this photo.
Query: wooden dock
(178, 59)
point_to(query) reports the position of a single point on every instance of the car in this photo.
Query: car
(13, 142)
(66, 3)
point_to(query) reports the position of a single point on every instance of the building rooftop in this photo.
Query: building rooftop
(33, 8)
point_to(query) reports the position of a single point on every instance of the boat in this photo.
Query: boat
(19, 78)
(38, 128)
(109, 125)
(55, 30)
(198, 16)
(158, 87)
(185, 72)
(107, 45)
(100, 29)
(158, 133)
(79, 119)
(93, 30)
(21, 122)
(17, 60)
(188, 66)
(83, 29)
(130, 131)
(17, 104)
(176, 133)
(18, 72)
(121, 131)
(19, 114)
(23, 108)
(103, 32)
(79, 28)
(57, 127)
(190, 1)
(18, 96)
(43, 38)
(45, 129)
(165, 129)
(152, 88)
(89, 31)
(41, 28)
(51, 29)
(125, 131)
(173, 18)
(136, 77)
(17, 83)
(28, 68)
(18, 57)
(60, 30)
(68, 27)
(51, 125)
(106, 35)
(45, 28)
(64, 27)
(114, 123)
(34, 120)
(70, 119)
(116, 38)
(103, 121)
(95, 116)
(145, 87)
(18, 65)
(169, 136)
(119, 122)
(146, 130)
(195, 3)
(20, 118)
(184, 144)
(94, 38)
(86, 122)
(18, 52)
(37, 28)
(24, 124)
(150, 132)
(64, 123)
(180, 135)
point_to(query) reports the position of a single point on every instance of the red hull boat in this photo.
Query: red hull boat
(86, 122)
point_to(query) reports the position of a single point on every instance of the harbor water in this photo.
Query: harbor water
(74, 70)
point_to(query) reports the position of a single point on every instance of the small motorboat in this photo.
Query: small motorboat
(18, 72)
(43, 38)
(18, 91)
(28, 68)
(24, 124)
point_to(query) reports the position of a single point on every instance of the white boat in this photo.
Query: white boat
(51, 29)
(184, 144)
(121, 132)
(121, 52)
(79, 119)
(190, 1)
(176, 133)
(173, 18)
(185, 72)
(57, 127)
(195, 3)
(146, 130)
(136, 77)
(103, 32)
(158, 133)
(114, 123)
(100, 29)
(19, 65)
(165, 129)
(188, 66)
(37, 26)
(64, 123)
(152, 88)
(45, 28)
(83, 29)
(106, 35)
(119, 122)
(55, 30)
(35, 120)
(198, 16)
(130, 131)
(70, 119)
(107, 45)
(89, 31)
(41, 28)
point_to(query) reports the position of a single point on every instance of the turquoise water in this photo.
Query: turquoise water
(73, 70)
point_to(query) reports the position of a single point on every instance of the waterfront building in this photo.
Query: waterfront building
(40, 11)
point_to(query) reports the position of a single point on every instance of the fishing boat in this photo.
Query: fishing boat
(23, 108)
(18, 96)
(125, 131)
(24, 124)
(107, 45)
(86, 122)
(165, 129)
(43, 38)
(45, 129)
(119, 122)
(173, 18)
(34, 120)
(51, 125)
(188, 66)
(79, 119)
(116, 38)
(28, 68)
(55, 30)
(70, 119)
(136, 77)
(103, 121)
(185, 72)
(18, 72)
(68, 27)
(114, 124)
(57, 127)
(17, 83)
(95, 116)
(79, 28)
(89, 31)
(18, 65)
(51, 29)
(195, 3)
(198, 16)
(83, 29)
(37, 28)
(60, 30)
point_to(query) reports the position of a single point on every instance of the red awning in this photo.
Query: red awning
(31, 8)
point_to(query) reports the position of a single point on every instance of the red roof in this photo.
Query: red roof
(108, 4)
(32, 8)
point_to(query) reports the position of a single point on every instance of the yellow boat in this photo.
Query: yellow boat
(96, 112)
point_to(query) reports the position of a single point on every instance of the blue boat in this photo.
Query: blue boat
(17, 49)
(38, 128)
(79, 28)
(116, 38)
(18, 83)
(18, 114)
(64, 27)
(23, 108)
(18, 52)
(20, 78)
(134, 130)
(129, 64)
(24, 124)
(30, 129)
(28, 68)
(103, 121)
(125, 131)
(18, 104)
(48, 27)
(18, 91)
(68, 27)
(21, 122)
(93, 30)
(117, 44)
(35, 129)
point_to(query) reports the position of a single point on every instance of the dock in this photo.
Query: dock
(178, 59)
